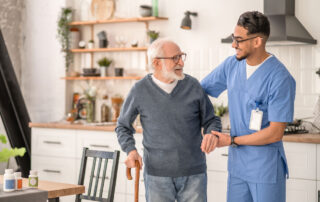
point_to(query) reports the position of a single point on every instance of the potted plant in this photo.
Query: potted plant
(64, 20)
(6, 153)
(91, 44)
(104, 63)
(153, 35)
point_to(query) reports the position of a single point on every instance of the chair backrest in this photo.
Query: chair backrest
(100, 156)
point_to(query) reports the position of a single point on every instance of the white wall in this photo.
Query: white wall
(216, 20)
(43, 90)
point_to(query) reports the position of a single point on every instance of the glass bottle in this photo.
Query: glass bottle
(105, 110)
(90, 110)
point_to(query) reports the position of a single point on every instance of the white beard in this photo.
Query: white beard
(171, 75)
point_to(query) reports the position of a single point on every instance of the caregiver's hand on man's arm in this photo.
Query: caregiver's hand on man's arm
(209, 143)
(224, 139)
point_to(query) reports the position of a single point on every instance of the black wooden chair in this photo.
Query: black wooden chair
(100, 155)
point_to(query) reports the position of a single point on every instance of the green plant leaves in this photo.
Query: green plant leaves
(6, 153)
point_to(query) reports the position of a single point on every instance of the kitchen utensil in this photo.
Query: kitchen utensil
(136, 183)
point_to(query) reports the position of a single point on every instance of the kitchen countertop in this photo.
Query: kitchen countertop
(303, 138)
(61, 125)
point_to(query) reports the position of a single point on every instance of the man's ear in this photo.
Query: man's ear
(258, 42)
(156, 63)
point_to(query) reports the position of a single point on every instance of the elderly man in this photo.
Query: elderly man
(173, 108)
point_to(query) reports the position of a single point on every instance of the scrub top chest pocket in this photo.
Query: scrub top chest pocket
(256, 118)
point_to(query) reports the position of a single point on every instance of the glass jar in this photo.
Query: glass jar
(90, 110)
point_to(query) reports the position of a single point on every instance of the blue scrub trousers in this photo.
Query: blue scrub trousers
(242, 191)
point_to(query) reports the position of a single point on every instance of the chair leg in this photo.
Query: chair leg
(54, 199)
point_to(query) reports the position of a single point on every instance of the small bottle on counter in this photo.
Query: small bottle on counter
(8, 181)
(33, 179)
(18, 180)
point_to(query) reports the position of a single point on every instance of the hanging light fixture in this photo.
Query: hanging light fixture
(186, 21)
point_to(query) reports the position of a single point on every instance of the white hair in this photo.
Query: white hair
(156, 50)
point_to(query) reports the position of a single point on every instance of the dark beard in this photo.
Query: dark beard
(241, 58)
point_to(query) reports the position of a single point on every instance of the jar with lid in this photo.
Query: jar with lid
(8, 181)
(33, 179)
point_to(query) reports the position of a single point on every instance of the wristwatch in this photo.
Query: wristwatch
(233, 144)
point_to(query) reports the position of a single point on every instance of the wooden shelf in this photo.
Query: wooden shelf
(109, 50)
(103, 78)
(119, 20)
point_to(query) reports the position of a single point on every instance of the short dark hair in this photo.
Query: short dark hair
(255, 22)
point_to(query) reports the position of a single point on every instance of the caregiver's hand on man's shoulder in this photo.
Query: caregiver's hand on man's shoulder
(224, 139)
(209, 143)
(132, 157)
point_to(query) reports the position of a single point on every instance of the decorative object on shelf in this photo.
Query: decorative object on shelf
(74, 37)
(90, 95)
(153, 35)
(134, 44)
(318, 72)
(102, 9)
(64, 19)
(104, 63)
(105, 110)
(90, 72)
(121, 41)
(116, 103)
(220, 110)
(90, 44)
(82, 44)
(145, 10)
(103, 41)
(155, 8)
(118, 71)
(186, 22)
(85, 13)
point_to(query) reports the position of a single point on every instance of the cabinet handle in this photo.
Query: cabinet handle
(51, 171)
(96, 145)
(224, 155)
(51, 142)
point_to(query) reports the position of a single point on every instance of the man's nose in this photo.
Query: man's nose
(181, 63)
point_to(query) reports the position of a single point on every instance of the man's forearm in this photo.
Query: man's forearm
(271, 134)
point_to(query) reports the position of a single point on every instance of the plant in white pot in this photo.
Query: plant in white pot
(104, 63)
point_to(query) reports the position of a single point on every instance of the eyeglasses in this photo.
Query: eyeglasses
(237, 41)
(175, 58)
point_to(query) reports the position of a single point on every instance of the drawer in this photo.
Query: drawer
(55, 169)
(96, 140)
(53, 142)
(218, 160)
(301, 159)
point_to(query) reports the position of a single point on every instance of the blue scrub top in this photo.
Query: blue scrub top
(272, 86)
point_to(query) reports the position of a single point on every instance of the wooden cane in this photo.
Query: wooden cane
(136, 184)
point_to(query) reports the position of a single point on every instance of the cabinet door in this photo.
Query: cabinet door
(218, 160)
(301, 159)
(301, 190)
(318, 163)
(217, 186)
(53, 142)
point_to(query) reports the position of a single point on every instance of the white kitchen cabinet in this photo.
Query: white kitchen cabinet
(56, 154)
(218, 160)
(53, 142)
(299, 190)
(302, 160)
(217, 186)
